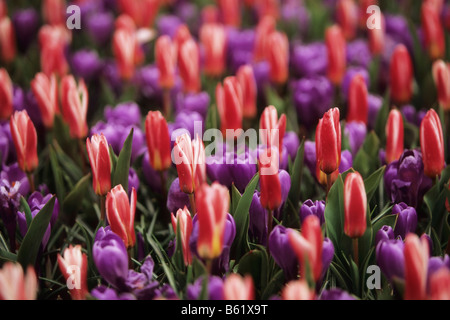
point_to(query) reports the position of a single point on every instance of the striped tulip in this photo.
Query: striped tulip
(308, 247)
(6, 95)
(98, 152)
(377, 38)
(229, 104)
(328, 141)
(394, 136)
(24, 136)
(124, 49)
(440, 285)
(358, 101)
(210, 14)
(158, 141)
(347, 17)
(432, 144)
(3, 8)
(297, 290)
(143, 12)
(73, 265)
(269, 8)
(213, 39)
(189, 158)
(181, 36)
(336, 49)
(45, 90)
(441, 76)
(15, 285)
(236, 287)
(184, 220)
(120, 212)
(189, 66)
(269, 180)
(166, 59)
(7, 40)
(230, 12)
(355, 205)
(212, 204)
(74, 100)
(416, 267)
(433, 31)
(401, 75)
(278, 57)
(53, 41)
(272, 130)
(265, 28)
(54, 12)
(246, 79)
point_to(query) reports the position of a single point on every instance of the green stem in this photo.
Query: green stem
(167, 104)
(31, 181)
(329, 183)
(355, 251)
(102, 208)
(192, 201)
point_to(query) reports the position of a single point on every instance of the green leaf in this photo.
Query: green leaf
(7, 256)
(383, 114)
(273, 99)
(274, 286)
(72, 202)
(123, 163)
(67, 164)
(27, 210)
(366, 160)
(255, 263)
(241, 218)
(235, 197)
(31, 242)
(177, 258)
(57, 175)
(372, 182)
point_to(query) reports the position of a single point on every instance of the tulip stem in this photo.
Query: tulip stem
(447, 133)
(166, 103)
(269, 227)
(355, 251)
(329, 183)
(192, 201)
(209, 266)
(102, 208)
(83, 162)
(31, 181)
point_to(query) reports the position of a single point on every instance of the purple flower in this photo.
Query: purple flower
(193, 102)
(316, 208)
(327, 255)
(296, 14)
(309, 60)
(291, 142)
(406, 219)
(126, 114)
(133, 181)
(257, 229)
(375, 104)
(86, 64)
(189, 121)
(215, 289)
(239, 47)
(282, 252)
(141, 283)
(355, 132)
(100, 27)
(350, 74)
(104, 293)
(358, 53)
(177, 199)
(336, 294)
(261, 71)
(346, 161)
(397, 29)
(26, 25)
(436, 263)
(38, 201)
(385, 233)
(7, 148)
(390, 258)
(310, 157)
(168, 25)
(23, 227)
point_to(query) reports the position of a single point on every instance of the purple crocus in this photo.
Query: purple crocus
(26, 25)
(100, 27)
(215, 289)
(168, 25)
(385, 233)
(282, 252)
(327, 255)
(355, 132)
(358, 53)
(390, 258)
(336, 294)
(316, 208)
(193, 102)
(177, 199)
(291, 143)
(309, 60)
(375, 104)
(104, 293)
(406, 219)
(86, 64)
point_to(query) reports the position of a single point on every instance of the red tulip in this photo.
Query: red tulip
(7, 40)
(394, 136)
(272, 129)
(143, 12)
(269, 8)
(213, 39)
(166, 59)
(3, 9)
(433, 31)
(297, 290)
(181, 36)
(24, 137)
(269, 180)
(54, 12)
(440, 285)
(432, 144)
(278, 56)
(236, 287)
(124, 48)
(6, 95)
(210, 14)
(184, 220)
(158, 141)
(73, 265)
(120, 213)
(328, 141)
(363, 15)
(15, 285)
(98, 152)
(212, 203)
(229, 100)
(189, 157)
(336, 48)
(322, 177)
(246, 79)
(355, 205)
(441, 76)
(188, 64)
(416, 267)
(401, 75)
(347, 17)
(74, 106)
(53, 41)
(45, 90)
(308, 247)
(230, 12)
(377, 38)
(265, 28)
(358, 101)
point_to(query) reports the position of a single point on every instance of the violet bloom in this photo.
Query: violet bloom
(177, 199)
(385, 233)
(9, 201)
(436, 263)
(133, 181)
(375, 104)
(406, 219)
(350, 74)
(193, 102)
(86, 64)
(168, 25)
(37, 201)
(316, 208)
(189, 122)
(346, 161)
(261, 71)
(26, 26)
(257, 228)
(282, 252)
(358, 53)
(7, 149)
(310, 157)
(23, 227)
(336, 294)
(112, 76)
(312, 96)
(125, 113)
(100, 27)
(215, 289)
(296, 14)
(141, 284)
(104, 293)
(240, 45)
(390, 258)
(309, 60)
(291, 142)
(327, 256)
(397, 29)
(405, 181)
(355, 132)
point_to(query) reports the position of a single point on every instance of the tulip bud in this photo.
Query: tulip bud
(166, 59)
(158, 141)
(377, 38)
(73, 266)
(143, 12)
(394, 136)
(98, 152)
(316, 208)
(336, 49)
(355, 205)
(432, 144)
(229, 104)
(269, 179)
(406, 219)
(265, 28)
(188, 63)
(15, 285)
(3, 8)
(54, 12)
(45, 90)
(6, 95)
(268, 8)
(328, 141)
(433, 31)
(181, 36)
(246, 79)
(308, 247)
(440, 285)
(212, 204)
(385, 233)
(401, 75)
(7, 40)
(230, 12)
(278, 57)
(210, 14)
(184, 220)
(272, 130)
(124, 45)
(441, 76)
(120, 212)
(358, 102)
(282, 252)
(416, 267)
(347, 17)
(24, 136)
(189, 157)
(53, 41)
(74, 102)
(236, 287)
(213, 39)
(390, 258)
(297, 290)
